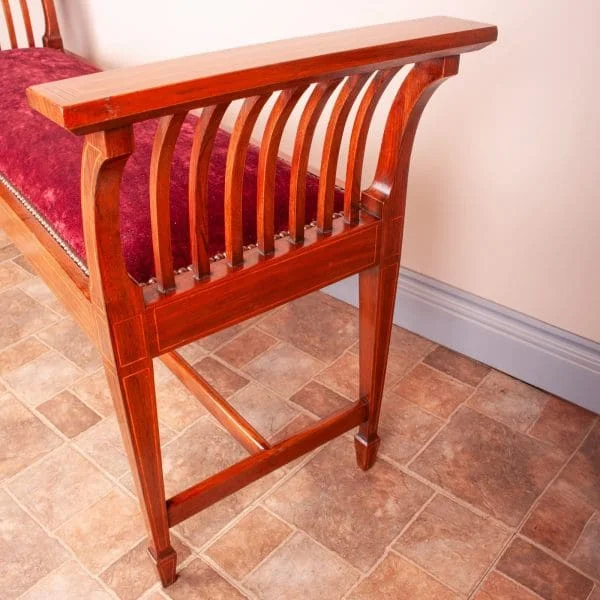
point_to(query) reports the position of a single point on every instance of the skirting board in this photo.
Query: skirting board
(540, 354)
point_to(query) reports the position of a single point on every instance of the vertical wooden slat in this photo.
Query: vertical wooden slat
(234, 177)
(358, 141)
(27, 22)
(9, 23)
(160, 193)
(306, 130)
(204, 137)
(51, 38)
(331, 148)
(267, 166)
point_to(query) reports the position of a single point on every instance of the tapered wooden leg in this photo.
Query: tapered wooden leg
(377, 293)
(135, 404)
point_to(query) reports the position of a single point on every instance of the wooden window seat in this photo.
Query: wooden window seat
(107, 182)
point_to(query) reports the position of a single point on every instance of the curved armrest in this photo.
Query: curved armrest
(112, 98)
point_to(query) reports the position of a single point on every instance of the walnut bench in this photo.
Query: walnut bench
(155, 227)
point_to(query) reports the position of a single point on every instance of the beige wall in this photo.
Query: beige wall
(503, 195)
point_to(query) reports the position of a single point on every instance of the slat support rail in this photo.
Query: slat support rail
(234, 478)
(215, 404)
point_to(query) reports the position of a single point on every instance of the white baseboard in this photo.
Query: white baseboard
(540, 354)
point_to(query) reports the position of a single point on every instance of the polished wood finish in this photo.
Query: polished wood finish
(204, 138)
(119, 315)
(234, 478)
(267, 164)
(131, 324)
(387, 198)
(103, 100)
(27, 23)
(358, 142)
(10, 24)
(304, 137)
(160, 198)
(234, 177)
(215, 404)
(51, 37)
(331, 148)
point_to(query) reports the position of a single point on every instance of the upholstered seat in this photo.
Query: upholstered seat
(43, 163)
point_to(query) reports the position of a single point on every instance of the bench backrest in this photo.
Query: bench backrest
(51, 37)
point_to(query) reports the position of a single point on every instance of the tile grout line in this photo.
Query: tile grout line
(388, 548)
(450, 416)
(570, 553)
(526, 516)
(70, 552)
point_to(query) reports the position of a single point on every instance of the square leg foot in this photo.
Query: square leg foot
(366, 451)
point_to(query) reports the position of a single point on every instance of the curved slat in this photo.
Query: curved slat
(51, 38)
(306, 130)
(267, 166)
(392, 167)
(234, 177)
(358, 141)
(331, 148)
(27, 22)
(204, 137)
(160, 193)
(10, 25)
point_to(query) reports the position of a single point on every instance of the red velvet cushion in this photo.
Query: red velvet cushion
(44, 163)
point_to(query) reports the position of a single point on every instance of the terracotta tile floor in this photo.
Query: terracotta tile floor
(486, 488)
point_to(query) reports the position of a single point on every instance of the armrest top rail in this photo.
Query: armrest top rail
(116, 97)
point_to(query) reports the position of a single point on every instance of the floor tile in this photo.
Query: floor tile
(319, 399)
(452, 543)
(21, 316)
(67, 338)
(583, 470)
(200, 528)
(489, 465)
(192, 352)
(8, 252)
(212, 342)
(177, 407)
(562, 424)
(245, 347)
(68, 582)
(248, 543)
(342, 376)
(284, 368)
(199, 581)
(11, 274)
(102, 533)
(302, 570)
(68, 414)
(94, 391)
(457, 365)
(42, 378)
(406, 349)
(134, 572)
(27, 552)
(202, 450)
(23, 437)
(24, 264)
(397, 579)
(435, 392)
(103, 443)
(509, 400)
(317, 324)
(498, 587)
(595, 595)
(20, 354)
(404, 428)
(586, 555)
(538, 571)
(59, 486)
(263, 409)
(558, 519)
(226, 381)
(354, 513)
